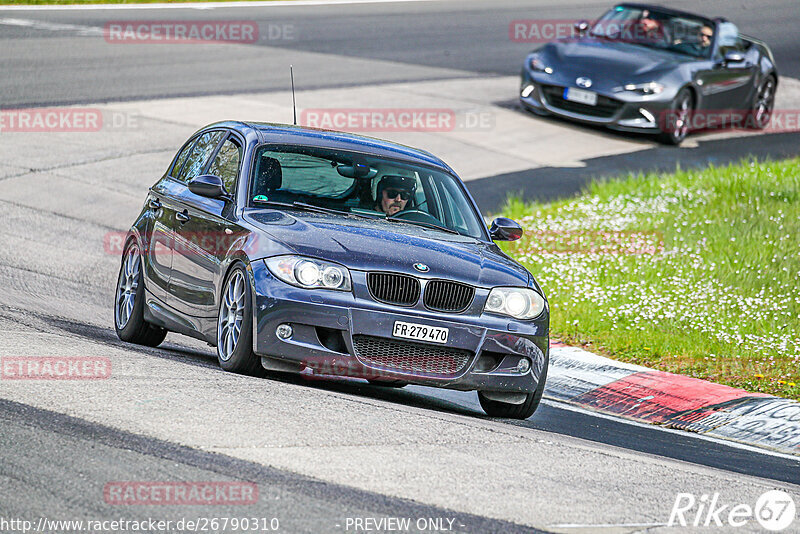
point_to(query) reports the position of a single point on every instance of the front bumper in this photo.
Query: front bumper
(331, 328)
(618, 111)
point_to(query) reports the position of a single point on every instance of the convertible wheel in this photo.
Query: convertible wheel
(676, 125)
(235, 326)
(762, 106)
(129, 303)
(516, 411)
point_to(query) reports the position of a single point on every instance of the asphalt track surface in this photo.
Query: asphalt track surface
(57, 290)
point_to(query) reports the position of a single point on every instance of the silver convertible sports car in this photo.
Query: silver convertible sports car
(299, 250)
(650, 69)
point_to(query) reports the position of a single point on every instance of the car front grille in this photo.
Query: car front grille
(605, 108)
(441, 295)
(410, 357)
(393, 288)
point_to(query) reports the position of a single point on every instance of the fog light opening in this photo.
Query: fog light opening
(526, 92)
(524, 365)
(284, 331)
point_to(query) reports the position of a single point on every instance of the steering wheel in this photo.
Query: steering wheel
(418, 215)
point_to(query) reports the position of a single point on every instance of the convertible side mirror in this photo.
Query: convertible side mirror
(581, 26)
(733, 57)
(208, 185)
(505, 230)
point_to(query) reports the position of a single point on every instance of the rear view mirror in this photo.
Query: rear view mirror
(208, 185)
(733, 57)
(505, 230)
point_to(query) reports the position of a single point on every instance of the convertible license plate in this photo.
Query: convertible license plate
(579, 95)
(420, 332)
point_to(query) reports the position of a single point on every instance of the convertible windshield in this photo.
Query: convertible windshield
(364, 185)
(652, 28)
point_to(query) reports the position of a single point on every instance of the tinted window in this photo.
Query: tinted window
(365, 185)
(197, 159)
(180, 159)
(226, 164)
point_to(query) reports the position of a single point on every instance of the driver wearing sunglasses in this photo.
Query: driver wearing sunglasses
(393, 193)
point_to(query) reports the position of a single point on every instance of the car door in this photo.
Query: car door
(203, 234)
(728, 85)
(159, 235)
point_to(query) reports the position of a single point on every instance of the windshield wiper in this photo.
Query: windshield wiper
(308, 207)
(424, 224)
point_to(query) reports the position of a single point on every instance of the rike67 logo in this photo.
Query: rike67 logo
(774, 510)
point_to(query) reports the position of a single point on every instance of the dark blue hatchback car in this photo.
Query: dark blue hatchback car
(299, 250)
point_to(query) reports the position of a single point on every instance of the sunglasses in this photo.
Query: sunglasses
(392, 193)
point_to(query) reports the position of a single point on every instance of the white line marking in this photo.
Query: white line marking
(51, 26)
(735, 444)
(198, 5)
(621, 525)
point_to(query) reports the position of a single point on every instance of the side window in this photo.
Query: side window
(201, 151)
(226, 164)
(181, 158)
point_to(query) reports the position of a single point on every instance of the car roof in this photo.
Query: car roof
(666, 10)
(286, 134)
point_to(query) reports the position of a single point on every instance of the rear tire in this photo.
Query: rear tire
(129, 303)
(677, 119)
(235, 325)
(517, 411)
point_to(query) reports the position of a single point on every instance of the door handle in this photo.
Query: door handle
(182, 216)
(155, 204)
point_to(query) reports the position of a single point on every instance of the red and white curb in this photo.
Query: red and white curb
(593, 382)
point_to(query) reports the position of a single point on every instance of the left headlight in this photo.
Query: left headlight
(517, 302)
(649, 88)
(310, 273)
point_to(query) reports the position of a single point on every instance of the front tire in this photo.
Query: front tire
(761, 113)
(516, 411)
(129, 303)
(676, 123)
(235, 325)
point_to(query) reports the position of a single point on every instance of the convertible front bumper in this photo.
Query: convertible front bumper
(618, 111)
(350, 334)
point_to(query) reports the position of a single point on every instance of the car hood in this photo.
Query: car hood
(615, 63)
(380, 245)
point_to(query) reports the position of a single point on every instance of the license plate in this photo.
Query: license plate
(420, 332)
(579, 95)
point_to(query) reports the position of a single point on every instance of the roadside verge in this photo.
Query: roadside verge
(593, 382)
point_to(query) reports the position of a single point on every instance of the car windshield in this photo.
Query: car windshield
(297, 177)
(652, 28)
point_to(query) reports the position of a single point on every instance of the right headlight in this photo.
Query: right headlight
(539, 66)
(309, 273)
(517, 302)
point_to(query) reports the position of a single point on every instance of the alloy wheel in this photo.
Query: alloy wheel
(127, 286)
(231, 315)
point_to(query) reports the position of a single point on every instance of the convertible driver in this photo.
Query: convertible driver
(393, 193)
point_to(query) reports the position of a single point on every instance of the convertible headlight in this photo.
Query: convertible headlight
(649, 88)
(517, 302)
(539, 66)
(309, 273)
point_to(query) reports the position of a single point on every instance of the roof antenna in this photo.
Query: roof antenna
(294, 106)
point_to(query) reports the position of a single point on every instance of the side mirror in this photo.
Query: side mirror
(208, 185)
(505, 230)
(581, 26)
(733, 57)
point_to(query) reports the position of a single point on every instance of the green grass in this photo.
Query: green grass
(695, 273)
